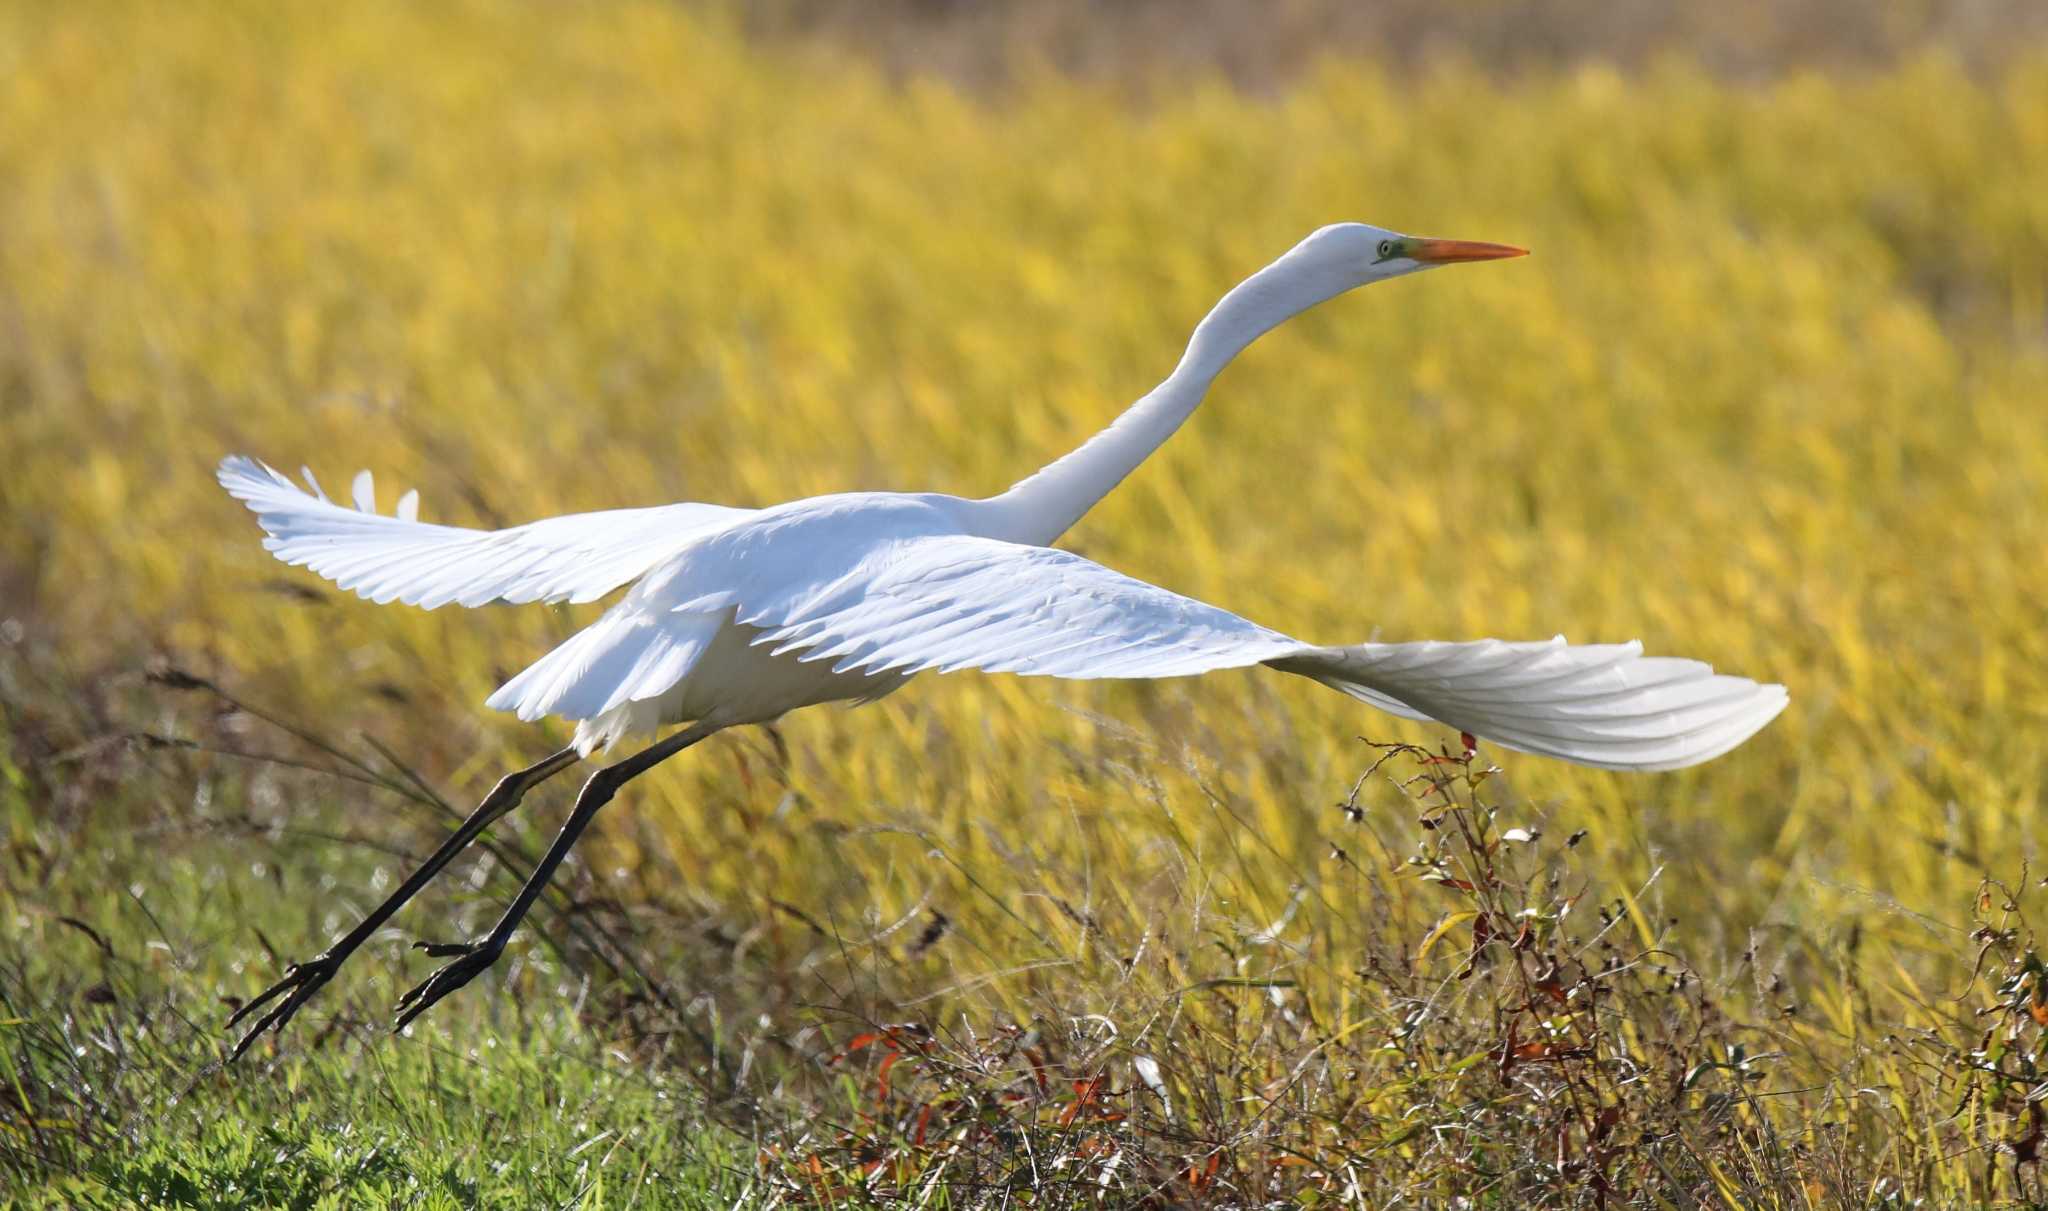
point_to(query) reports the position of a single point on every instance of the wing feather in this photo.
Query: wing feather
(1603, 705)
(950, 602)
(397, 557)
(953, 602)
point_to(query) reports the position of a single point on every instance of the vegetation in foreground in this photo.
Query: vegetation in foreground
(1530, 1039)
(1766, 394)
(144, 877)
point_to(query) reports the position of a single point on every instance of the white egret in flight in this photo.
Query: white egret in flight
(736, 616)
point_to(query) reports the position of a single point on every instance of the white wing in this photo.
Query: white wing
(1604, 705)
(396, 557)
(952, 602)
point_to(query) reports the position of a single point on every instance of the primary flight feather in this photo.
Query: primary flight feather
(735, 616)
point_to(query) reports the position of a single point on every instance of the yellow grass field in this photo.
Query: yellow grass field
(1769, 392)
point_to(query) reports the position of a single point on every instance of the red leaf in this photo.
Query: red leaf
(857, 1042)
(1550, 1050)
(909, 1036)
(1037, 1069)
(1482, 933)
(1085, 1092)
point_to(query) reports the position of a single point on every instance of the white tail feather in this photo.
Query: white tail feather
(629, 655)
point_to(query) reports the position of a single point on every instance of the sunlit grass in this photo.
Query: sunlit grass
(1768, 393)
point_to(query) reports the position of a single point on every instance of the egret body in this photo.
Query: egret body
(737, 616)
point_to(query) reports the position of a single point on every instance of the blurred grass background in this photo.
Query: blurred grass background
(1768, 393)
(1263, 47)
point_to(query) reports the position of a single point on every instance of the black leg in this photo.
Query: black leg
(302, 980)
(473, 957)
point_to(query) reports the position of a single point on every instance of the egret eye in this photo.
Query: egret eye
(1386, 249)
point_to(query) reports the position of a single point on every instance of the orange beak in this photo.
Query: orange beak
(1445, 252)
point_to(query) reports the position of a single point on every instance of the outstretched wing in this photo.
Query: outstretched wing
(950, 602)
(1604, 705)
(397, 557)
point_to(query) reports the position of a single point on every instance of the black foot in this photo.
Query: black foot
(470, 958)
(301, 981)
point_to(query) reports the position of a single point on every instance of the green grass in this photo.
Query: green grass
(534, 1121)
(138, 894)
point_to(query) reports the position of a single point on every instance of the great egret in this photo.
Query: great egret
(738, 615)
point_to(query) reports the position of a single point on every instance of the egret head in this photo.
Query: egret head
(1331, 261)
(1369, 254)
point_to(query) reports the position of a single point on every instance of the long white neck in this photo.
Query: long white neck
(1041, 508)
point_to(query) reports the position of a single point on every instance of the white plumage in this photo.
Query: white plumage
(579, 557)
(738, 615)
